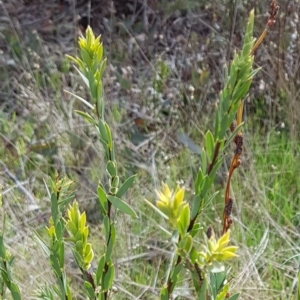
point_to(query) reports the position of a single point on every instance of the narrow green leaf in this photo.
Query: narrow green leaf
(176, 272)
(125, 186)
(186, 244)
(62, 255)
(109, 136)
(212, 285)
(114, 182)
(89, 290)
(87, 117)
(69, 294)
(85, 56)
(103, 132)
(233, 76)
(54, 259)
(99, 53)
(224, 126)
(112, 151)
(42, 244)
(102, 67)
(209, 144)
(220, 278)
(122, 206)
(112, 240)
(197, 202)
(203, 290)
(156, 209)
(109, 278)
(83, 77)
(240, 92)
(210, 199)
(99, 101)
(196, 228)
(254, 72)
(184, 220)
(93, 86)
(5, 276)
(164, 294)
(199, 178)
(194, 255)
(2, 247)
(85, 102)
(102, 198)
(100, 268)
(111, 168)
(235, 296)
(15, 292)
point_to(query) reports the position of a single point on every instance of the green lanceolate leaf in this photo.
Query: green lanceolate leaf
(2, 247)
(111, 243)
(224, 126)
(234, 297)
(209, 144)
(87, 117)
(89, 290)
(109, 278)
(176, 271)
(114, 182)
(164, 294)
(100, 268)
(202, 289)
(102, 67)
(99, 52)
(54, 209)
(86, 103)
(197, 203)
(93, 86)
(109, 136)
(83, 77)
(86, 57)
(242, 90)
(196, 228)
(102, 198)
(42, 244)
(15, 291)
(125, 186)
(184, 220)
(122, 206)
(199, 178)
(186, 244)
(111, 168)
(210, 199)
(103, 132)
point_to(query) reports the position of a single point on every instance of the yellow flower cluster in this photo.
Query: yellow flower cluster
(217, 250)
(171, 203)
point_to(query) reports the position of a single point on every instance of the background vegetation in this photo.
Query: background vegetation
(163, 77)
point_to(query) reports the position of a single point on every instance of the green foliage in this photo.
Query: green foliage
(200, 254)
(207, 265)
